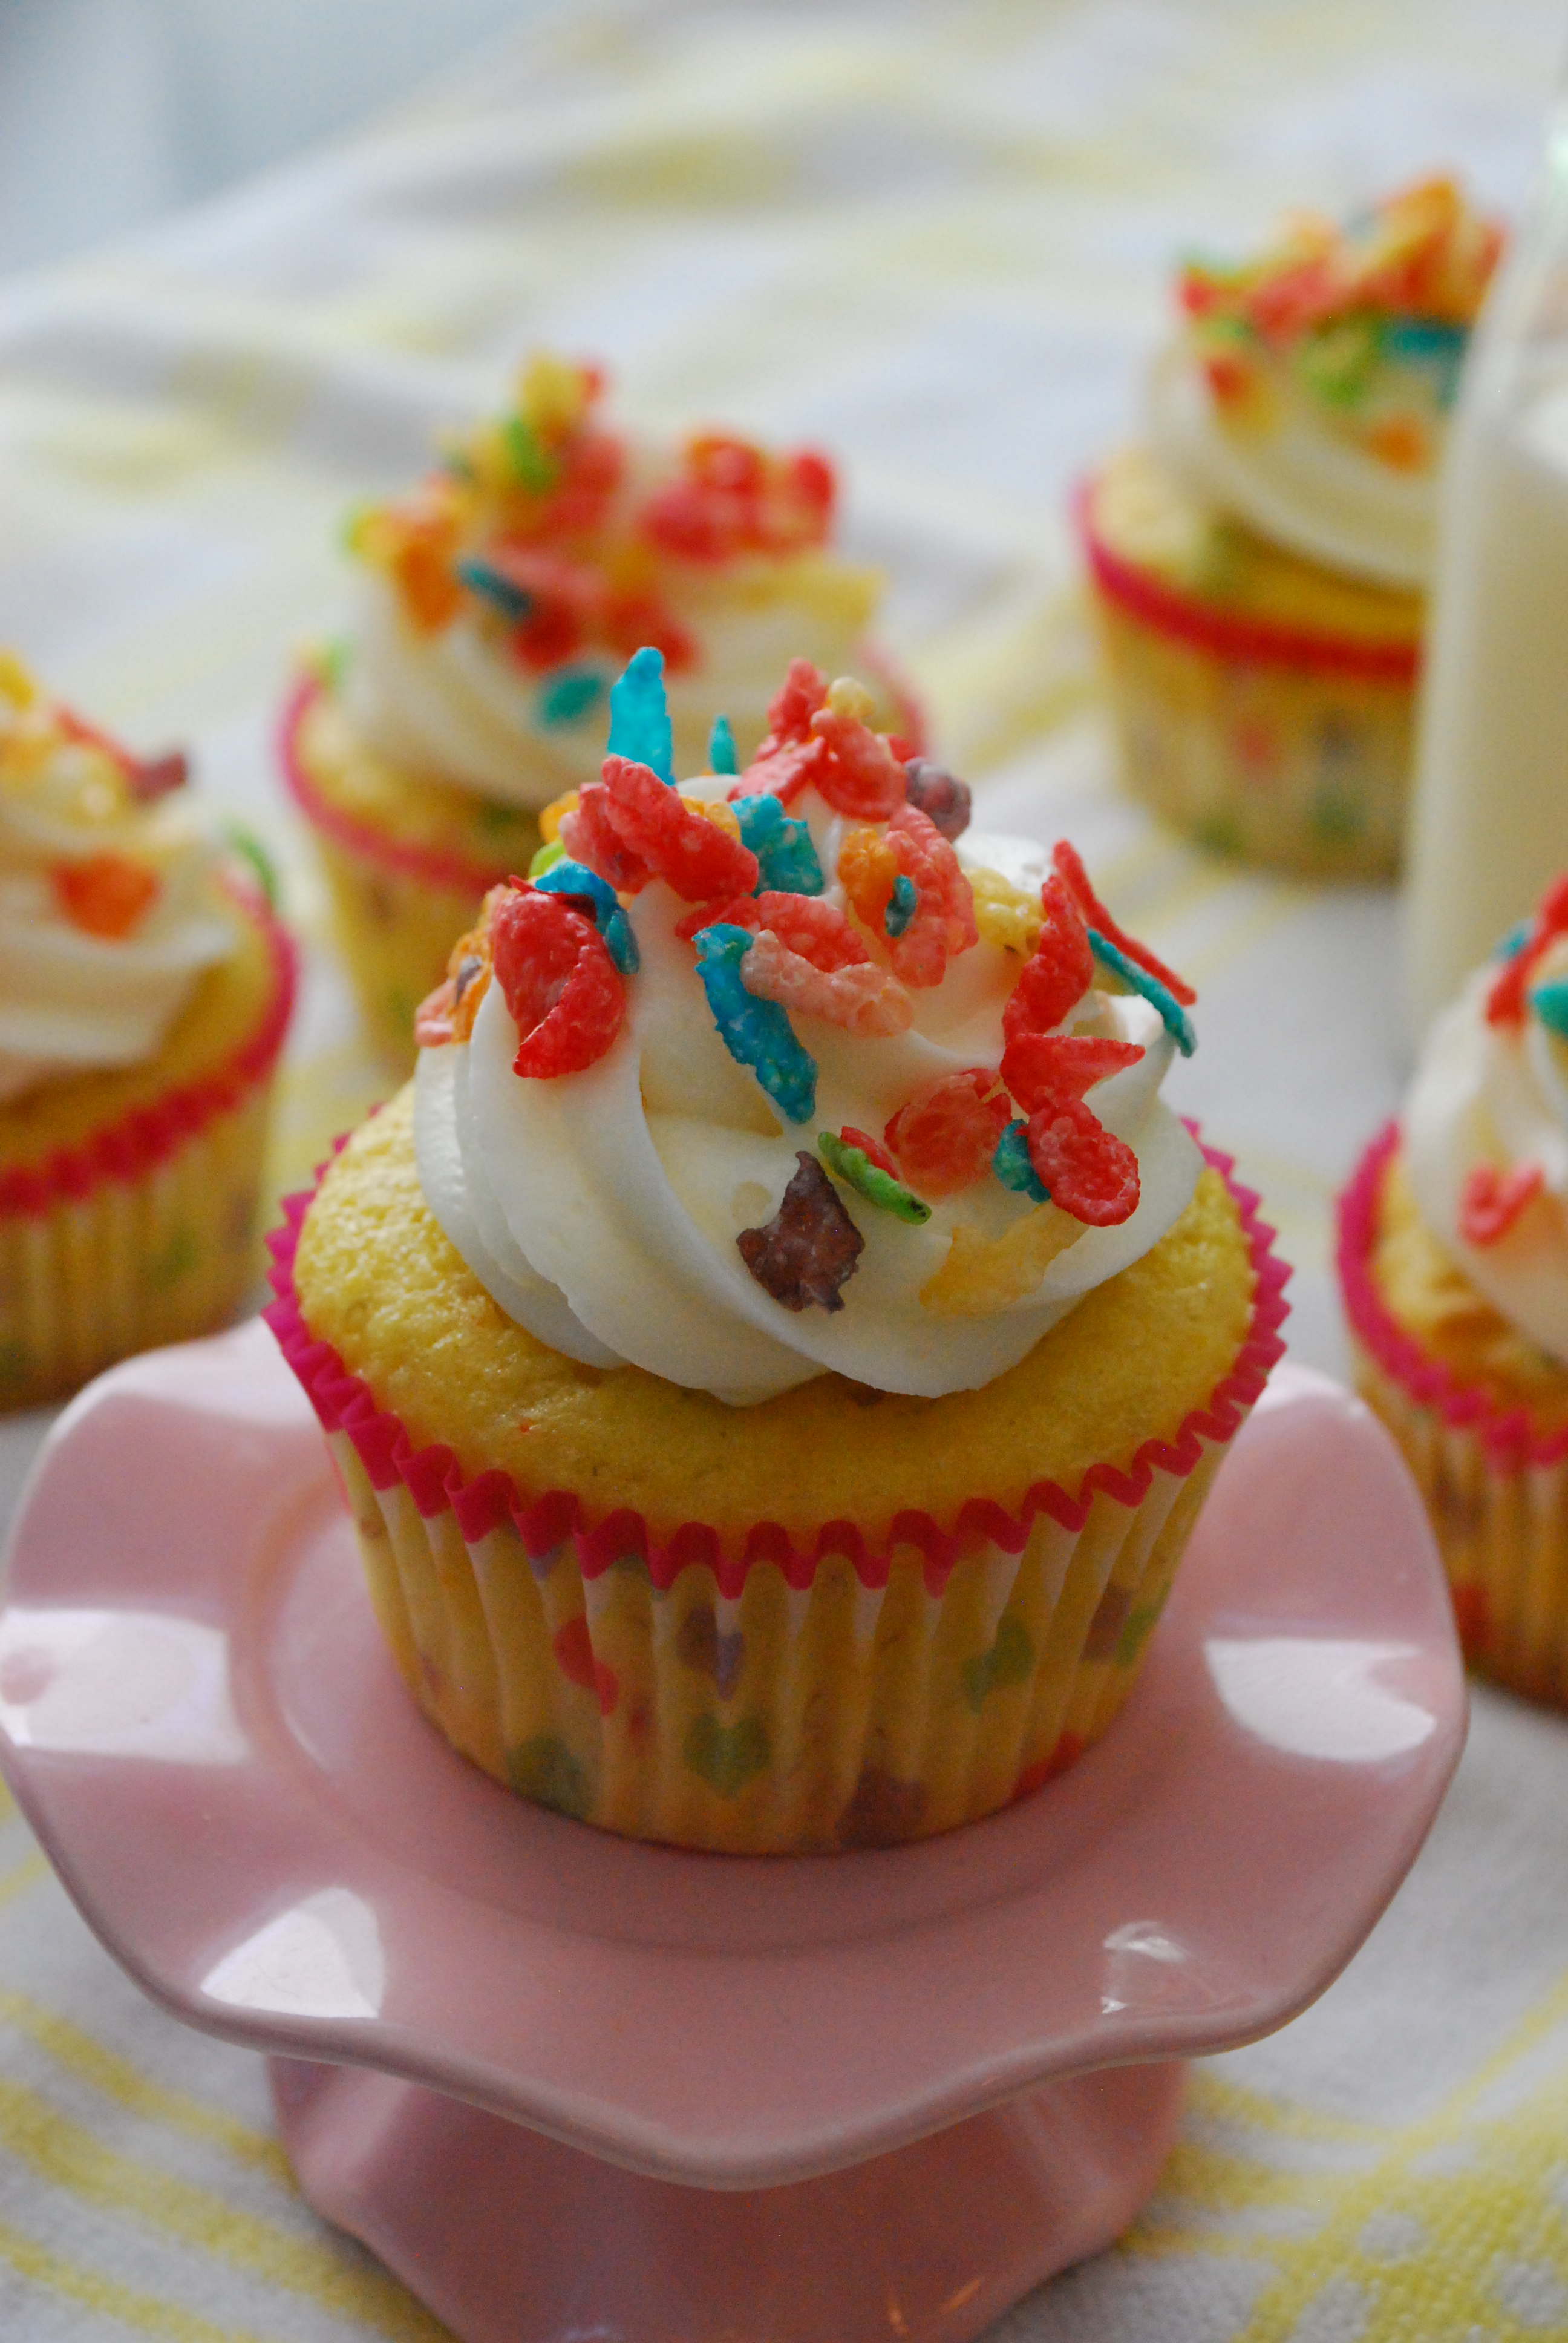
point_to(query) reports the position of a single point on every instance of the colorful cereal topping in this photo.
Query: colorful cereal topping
(721, 755)
(852, 1163)
(539, 529)
(106, 895)
(1511, 987)
(810, 1247)
(558, 978)
(756, 1033)
(1369, 321)
(945, 1136)
(810, 915)
(1491, 1200)
(639, 727)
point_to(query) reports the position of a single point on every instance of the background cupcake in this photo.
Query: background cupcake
(747, 1449)
(1259, 568)
(145, 991)
(498, 602)
(1453, 1257)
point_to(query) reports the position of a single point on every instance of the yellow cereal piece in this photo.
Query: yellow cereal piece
(551, 396)
(979, 1276)
(720, 814)
(16, 683)
(1004, 914)
(555, 813)
(850, 699)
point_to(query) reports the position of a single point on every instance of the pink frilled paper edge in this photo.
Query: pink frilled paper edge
(433, 865)
(138, 1141)
(1169, 611)
(433, 1479)
(1511, 1442)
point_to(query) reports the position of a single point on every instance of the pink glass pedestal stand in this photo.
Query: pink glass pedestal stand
(576, 2090)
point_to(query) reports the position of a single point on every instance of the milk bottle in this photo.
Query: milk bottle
(1490, 816)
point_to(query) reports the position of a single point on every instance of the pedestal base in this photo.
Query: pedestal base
(510, 2238)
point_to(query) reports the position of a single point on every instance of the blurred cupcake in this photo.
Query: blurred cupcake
(498, 600)
(146, 991)
(1260, 568)
(1453, 1259)
(777, 1348)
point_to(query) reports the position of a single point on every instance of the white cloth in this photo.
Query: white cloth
(936, 236)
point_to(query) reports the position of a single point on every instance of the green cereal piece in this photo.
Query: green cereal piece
(547, 858)
(856, 1169)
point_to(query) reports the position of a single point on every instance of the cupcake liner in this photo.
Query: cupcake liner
(1272, 744)
(141, 1235)
(1495, 1488)
(753, 1694)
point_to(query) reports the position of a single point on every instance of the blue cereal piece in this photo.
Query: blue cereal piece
(639, 715)
(757, 1034)
(1173, 1016)
(488, 584)
(901, 905)
(568, 695)
(565, 878)
(786, 858)
(721, 757)
(1013, 1167)
(1550, 1002)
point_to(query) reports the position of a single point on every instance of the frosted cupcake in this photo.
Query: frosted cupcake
(1453, 1258)
(1260, 567)
(498, 602)
(776, 1347)
(145, 993)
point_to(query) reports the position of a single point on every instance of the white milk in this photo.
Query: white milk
(1490, 822)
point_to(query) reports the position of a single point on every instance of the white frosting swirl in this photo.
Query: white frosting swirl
(72, 999)
(456, 703)
(1295, 480)
(602, 1208)
(1496, 1095)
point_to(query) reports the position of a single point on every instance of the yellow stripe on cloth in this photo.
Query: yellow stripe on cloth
(104, 2070)
(69, 2156)
(143, 2314)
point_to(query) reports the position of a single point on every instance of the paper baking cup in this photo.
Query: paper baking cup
(775, 1699)
(397, 908)
(1496, 1489)
(141, 1235)
(1261, 741)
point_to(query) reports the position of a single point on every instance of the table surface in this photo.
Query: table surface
(936, 238)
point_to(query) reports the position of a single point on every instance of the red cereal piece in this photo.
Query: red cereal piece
(1058, 971)
(818, 931)
(1069, 863)
(1090, 1172)
(945, 1135)
(944, 919)
(791, 754)
(859, 996)
(871, 1149)
(1491, 1200)
(669, 838)
(860, 775)
(558, 978)
(589, 837)
(1040, 1067)
(1506, 997)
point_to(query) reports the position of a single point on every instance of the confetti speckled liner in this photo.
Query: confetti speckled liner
(1260, 740)
(143, 1234)
(1496, 1490)
(778, 1699)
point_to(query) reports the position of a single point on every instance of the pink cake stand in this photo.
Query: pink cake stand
(572, 2087)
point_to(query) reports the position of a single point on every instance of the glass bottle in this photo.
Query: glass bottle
(1489, 818)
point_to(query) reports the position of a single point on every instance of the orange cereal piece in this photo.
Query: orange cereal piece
(107, 895)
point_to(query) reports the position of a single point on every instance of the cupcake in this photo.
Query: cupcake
(1259, 567)
(146, 991)
(776, 1348)
(498, 602)
(1453, 1259)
